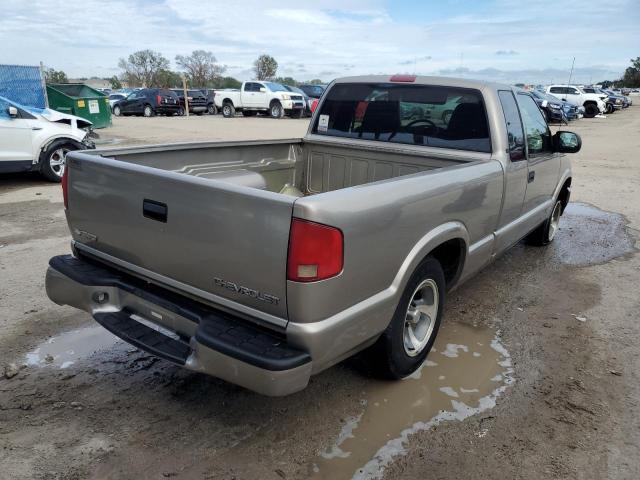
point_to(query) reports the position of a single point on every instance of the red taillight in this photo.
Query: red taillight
(314, 105)
(315, 251)
(403, 78)
(65, 186)
(159, 99)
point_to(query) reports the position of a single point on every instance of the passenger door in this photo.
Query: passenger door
(16, 136)
(249, 93)
(543, 163)
(512, 226)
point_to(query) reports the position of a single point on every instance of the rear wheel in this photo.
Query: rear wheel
(228, 111)
(148, 111)
(546, 232)
(408, 339)
(591, 110)
(117, 111)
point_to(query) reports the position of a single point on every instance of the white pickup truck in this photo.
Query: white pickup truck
(593, 103)
(253, 97)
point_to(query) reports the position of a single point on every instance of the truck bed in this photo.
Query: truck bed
(312, 167)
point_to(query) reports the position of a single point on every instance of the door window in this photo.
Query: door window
(535, 126)
(515, 133)
(4, 106)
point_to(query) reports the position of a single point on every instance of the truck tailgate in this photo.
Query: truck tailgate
(226, 242)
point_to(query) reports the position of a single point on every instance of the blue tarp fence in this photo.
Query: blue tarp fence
(23, 84)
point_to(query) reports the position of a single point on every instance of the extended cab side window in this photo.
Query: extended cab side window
(515, 133)
(556, 90)
(535, 126)
(251, 87)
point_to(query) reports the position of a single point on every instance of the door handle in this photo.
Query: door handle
(532, 176)
(154, 210)
(36, 128)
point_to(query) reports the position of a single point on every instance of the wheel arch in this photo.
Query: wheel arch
(447, 243)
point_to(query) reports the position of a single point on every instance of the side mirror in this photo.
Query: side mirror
(262, 89)
(12, 111)
(567, 142)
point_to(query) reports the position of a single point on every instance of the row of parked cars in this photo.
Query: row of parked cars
(561, 103)
(270, 98)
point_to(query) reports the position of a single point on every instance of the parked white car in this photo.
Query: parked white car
(255, 96)
(593, 103)
(33, 139)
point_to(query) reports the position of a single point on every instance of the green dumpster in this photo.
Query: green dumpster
(80, 100)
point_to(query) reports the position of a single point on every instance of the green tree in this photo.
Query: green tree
(115, 82)
(55, 76)
(287, 81)
(227, 82)
(631, 77)
(201, 67)
(143, 68)
(168, 79)
(315, 81)
(265, 67)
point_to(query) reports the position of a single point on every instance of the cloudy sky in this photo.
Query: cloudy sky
(505, 40)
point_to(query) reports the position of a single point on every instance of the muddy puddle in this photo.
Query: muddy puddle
(62, 351)
(590, 236)
(464, 374)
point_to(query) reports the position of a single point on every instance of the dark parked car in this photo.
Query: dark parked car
(551, 106)
(197, 101)
(148, 102)
(313, 91)
(307, 100)
(210, 94)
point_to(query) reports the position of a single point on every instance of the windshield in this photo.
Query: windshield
(435, 116)
(275, 87)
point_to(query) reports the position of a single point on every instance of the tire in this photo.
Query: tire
(211, 109)
(296, 114)
(228, 110)
(53, 160)
(546, 231)
(591, 110)
(276, 110)
(117, 111)
(610, 108)
(249, 113)
(148, 111)
(392, 355)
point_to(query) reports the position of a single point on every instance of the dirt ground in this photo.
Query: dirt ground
(535, 373)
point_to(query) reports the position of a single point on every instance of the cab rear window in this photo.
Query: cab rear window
(435, 116)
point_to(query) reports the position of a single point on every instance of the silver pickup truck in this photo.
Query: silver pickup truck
(263, 263)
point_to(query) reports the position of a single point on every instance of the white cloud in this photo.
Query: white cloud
(328, 37)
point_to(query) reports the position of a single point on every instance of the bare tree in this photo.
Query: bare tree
(143, 68)
(201, 67)
(265, 67)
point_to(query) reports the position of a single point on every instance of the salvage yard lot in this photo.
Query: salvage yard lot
(141, 130)
(555, 332)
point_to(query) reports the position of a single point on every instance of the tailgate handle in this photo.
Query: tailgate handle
(154, 210)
